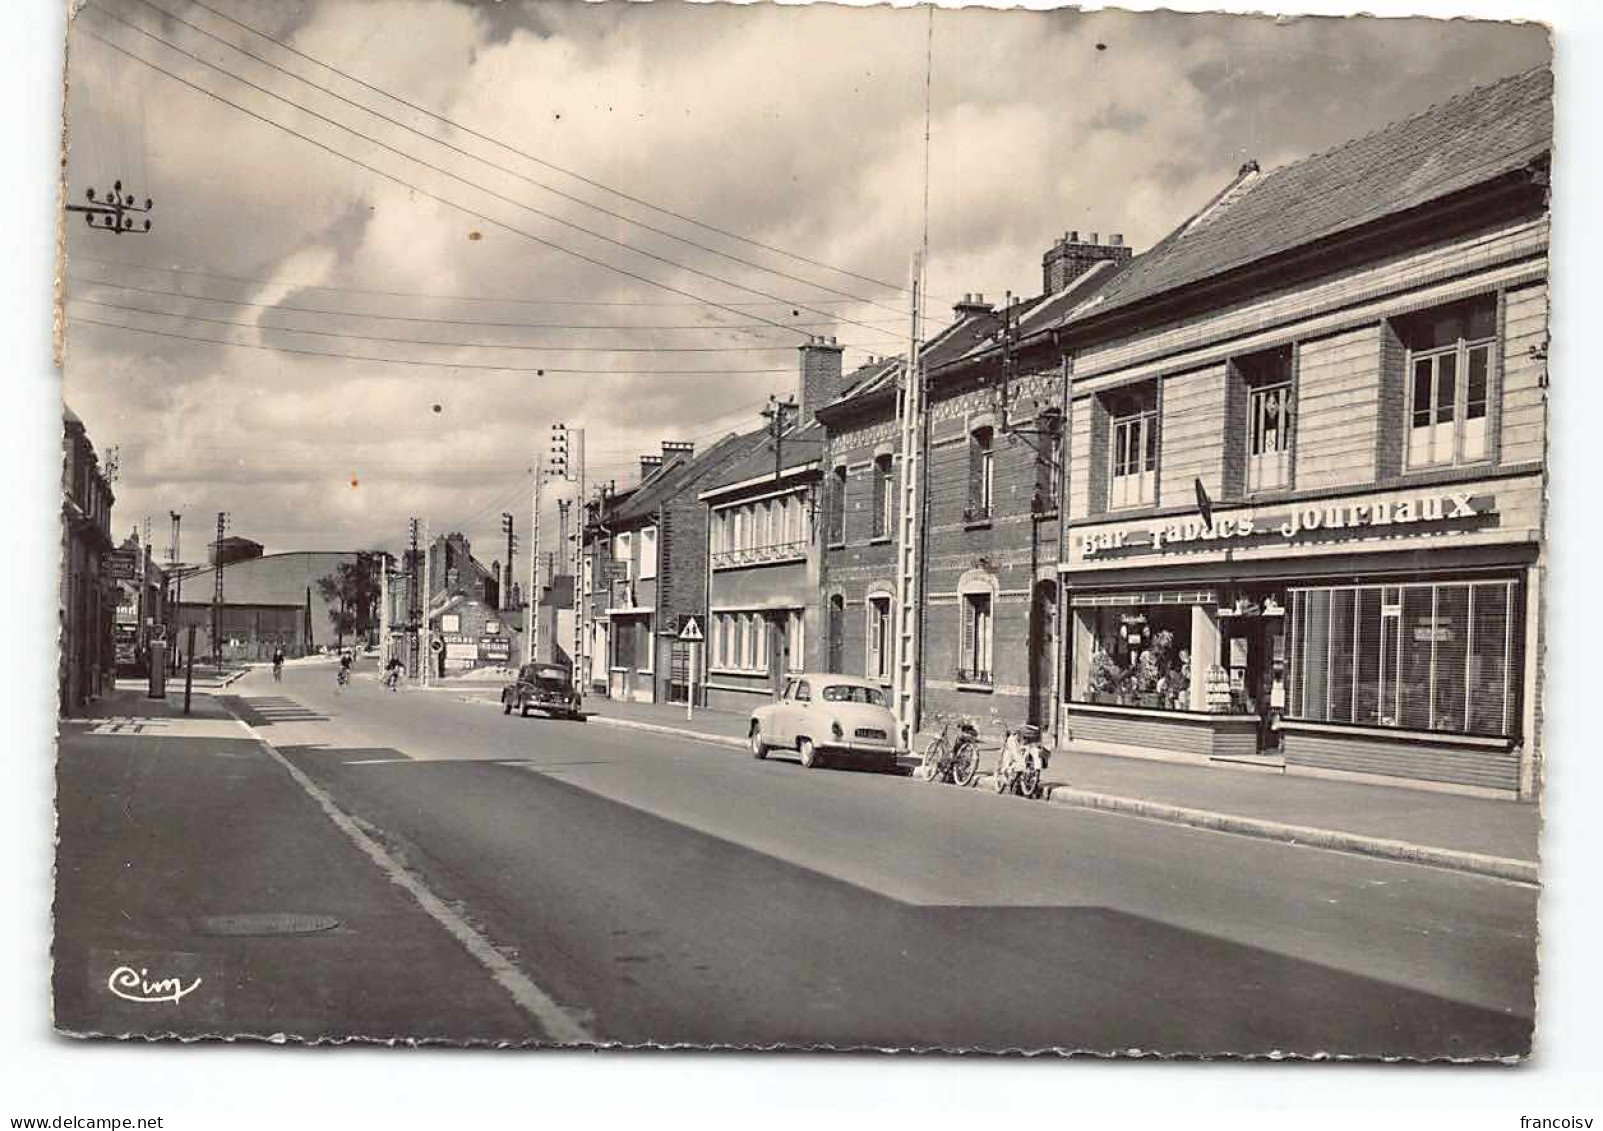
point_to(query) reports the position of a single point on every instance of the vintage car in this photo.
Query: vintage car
(827, 716)
(542, 687)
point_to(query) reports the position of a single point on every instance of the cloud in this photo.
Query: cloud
(798, 127)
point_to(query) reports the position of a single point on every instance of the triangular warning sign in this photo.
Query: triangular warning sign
(690, 630)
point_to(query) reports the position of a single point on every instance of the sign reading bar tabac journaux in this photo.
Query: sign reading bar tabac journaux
(1298, 524)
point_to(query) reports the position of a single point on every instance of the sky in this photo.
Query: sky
(767, 175)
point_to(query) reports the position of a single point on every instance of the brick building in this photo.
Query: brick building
(994, 480)
(863, 501)
(1306, 465)
(465, 611)
(646, 550)
(765, 546)
(87, 596)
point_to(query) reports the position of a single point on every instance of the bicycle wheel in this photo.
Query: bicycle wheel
(934, 755)
(1030, 783)
(965, 763)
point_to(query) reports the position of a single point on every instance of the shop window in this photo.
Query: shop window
(974, 651)
(1449, 381)
(1133, 449)
(1137, 656)
(837, 507)
(981, 474)
(884, 496)
(623, 644)
(881, 645)
(1419, 657)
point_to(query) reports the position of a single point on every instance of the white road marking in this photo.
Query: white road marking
(557, 1022)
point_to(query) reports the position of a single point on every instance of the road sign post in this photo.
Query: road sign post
(690, 635)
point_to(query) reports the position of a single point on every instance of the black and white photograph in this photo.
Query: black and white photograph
(804, 528)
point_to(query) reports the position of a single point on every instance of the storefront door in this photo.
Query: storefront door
(1254, 644)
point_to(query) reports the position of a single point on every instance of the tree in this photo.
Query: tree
(353, 592)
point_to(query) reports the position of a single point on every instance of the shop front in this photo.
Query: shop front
(1382, 637)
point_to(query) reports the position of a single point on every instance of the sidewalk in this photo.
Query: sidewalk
(186, 849)
(1495, 838)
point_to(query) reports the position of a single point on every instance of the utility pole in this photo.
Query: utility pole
(910, 529)
(504, 582)
(531, 598)
(173, 556)
(777, 412)
(579, 599)
(142, 633)
(428, 605)
(110, 213)
(383, 608)
(217, 590)
(414, 611)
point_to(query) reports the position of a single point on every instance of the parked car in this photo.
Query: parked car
(827, 716)
(542, 687)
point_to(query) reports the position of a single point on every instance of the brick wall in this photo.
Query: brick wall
(1012, 549)
(864, 563)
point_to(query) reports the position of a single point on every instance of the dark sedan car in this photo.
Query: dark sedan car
(542, 687)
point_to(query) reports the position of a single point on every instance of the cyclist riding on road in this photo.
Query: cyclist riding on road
(346, 660)
(278, 664)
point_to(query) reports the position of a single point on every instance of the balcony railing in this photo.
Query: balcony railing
(758, 555)
(974, 676)
(977, 512)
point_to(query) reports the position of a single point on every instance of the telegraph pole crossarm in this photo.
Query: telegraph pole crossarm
(113, 212)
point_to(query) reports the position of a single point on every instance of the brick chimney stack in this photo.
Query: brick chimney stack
(649, 464)
(1071, 257)
(971, 305)
(673, 449)
(820, 376)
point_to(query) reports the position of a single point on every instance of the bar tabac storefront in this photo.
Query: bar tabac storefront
(1384, 636)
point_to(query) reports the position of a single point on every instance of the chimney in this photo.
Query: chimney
(673, 449)
(971, 305)
(649, 464)
(1072, 257)
(819, 379)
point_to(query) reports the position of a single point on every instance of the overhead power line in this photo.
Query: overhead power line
(430, 320)
(541, 371)
(895, 289)
(453, 176)
(498, 167)
(510, 300)
(429, 341)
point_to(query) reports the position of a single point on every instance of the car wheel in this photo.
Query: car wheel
(809, 753)
(759, 748)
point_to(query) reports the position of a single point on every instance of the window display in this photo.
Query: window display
(1141, 656)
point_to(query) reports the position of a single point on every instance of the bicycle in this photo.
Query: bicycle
(949, 759)
(1023, 759)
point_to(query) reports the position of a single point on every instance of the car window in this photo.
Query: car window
(845, 693)
(790, 690)
(804, 693)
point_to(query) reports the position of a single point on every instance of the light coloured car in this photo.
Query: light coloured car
(828, 716)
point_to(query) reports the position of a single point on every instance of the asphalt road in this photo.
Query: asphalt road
(670, 892)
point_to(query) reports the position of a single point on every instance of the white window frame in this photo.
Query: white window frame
(798, 640)
(885, 482)
(1268, 469)
(1425, 441)
(1133, 485)
(648, 553)
(879, 637)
